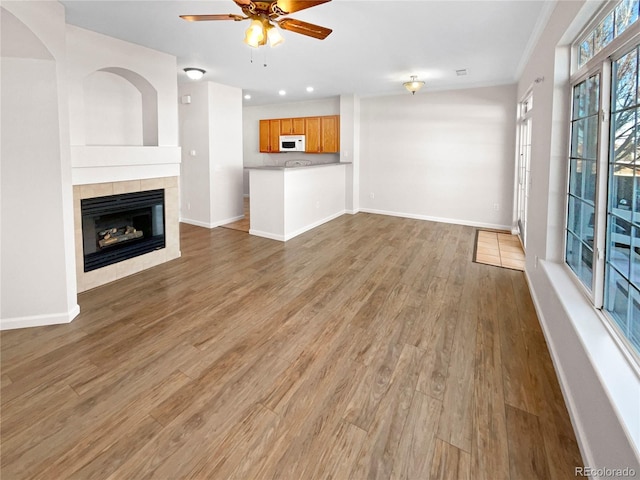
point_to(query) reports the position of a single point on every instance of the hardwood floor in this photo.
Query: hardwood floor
(370, 347)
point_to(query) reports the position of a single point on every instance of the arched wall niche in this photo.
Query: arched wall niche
(121, 108)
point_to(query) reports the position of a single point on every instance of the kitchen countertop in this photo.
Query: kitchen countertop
(275, 167)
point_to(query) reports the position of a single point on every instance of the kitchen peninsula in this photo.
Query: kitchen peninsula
(288, 201)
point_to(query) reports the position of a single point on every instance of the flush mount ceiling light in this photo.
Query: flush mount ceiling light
(194, 73)
(413, 85)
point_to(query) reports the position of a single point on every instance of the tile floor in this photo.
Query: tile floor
(499, 249)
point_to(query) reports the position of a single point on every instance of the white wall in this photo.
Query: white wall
(599, 382)
(350, 149)
(211, 138)
(37, 246)
(225, 147)
(445, 156)
(195, 204)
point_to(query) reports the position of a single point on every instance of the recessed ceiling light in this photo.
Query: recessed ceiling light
(462, 72)
(282, 92)
(247, 97)
(309, 89)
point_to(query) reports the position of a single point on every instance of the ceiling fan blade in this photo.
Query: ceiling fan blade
(242, 3)
(304, 28)
(290, 6)
(206, 18)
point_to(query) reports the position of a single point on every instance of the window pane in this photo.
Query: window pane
(586, 97)
(619, 244)
(625, 85)
(626, 14)
(617, 298)
(586, 50)
(634, 321)
(580, 259)
(577, 139)
(635, 257)
(635, 203)
(583, 179)
(593, 93)
(580, 100)
(603, 33)
(625, 146)
(581, 219)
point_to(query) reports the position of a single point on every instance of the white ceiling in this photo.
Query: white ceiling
(375, 45)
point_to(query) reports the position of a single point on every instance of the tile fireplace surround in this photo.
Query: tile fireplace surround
(101, 276)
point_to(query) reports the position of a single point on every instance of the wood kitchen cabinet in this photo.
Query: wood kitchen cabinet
(292, 126)
(270, 136)
(322, 134)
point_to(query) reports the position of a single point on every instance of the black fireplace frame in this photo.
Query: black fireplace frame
(95, 209)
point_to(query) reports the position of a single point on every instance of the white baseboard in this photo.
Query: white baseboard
(39, 320)
(270, 236)
(289, 236)
(313, 225)
(457, 221)
(219, 223)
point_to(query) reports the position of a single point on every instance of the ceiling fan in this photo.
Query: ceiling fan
(265, 15)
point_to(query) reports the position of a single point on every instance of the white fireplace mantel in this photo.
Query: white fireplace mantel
(106, 163)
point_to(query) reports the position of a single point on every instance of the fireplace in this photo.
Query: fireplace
(119, 227)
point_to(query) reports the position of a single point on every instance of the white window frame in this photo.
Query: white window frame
(600, 63)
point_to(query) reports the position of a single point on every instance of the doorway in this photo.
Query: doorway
(523, 166)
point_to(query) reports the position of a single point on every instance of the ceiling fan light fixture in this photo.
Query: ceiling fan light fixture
(255, 34)
(413, 85)
(274, 36)
(194, 73)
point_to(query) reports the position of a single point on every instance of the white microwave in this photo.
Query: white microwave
(292, 143)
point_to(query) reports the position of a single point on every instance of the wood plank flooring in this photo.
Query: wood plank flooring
(369, 347)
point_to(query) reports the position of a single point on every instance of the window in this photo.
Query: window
(602, 231)
(611, 26)
(582, 186)
(622, 276)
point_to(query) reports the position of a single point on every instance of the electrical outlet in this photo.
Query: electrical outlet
(496, 206)
(188, 205)
(372, 195)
